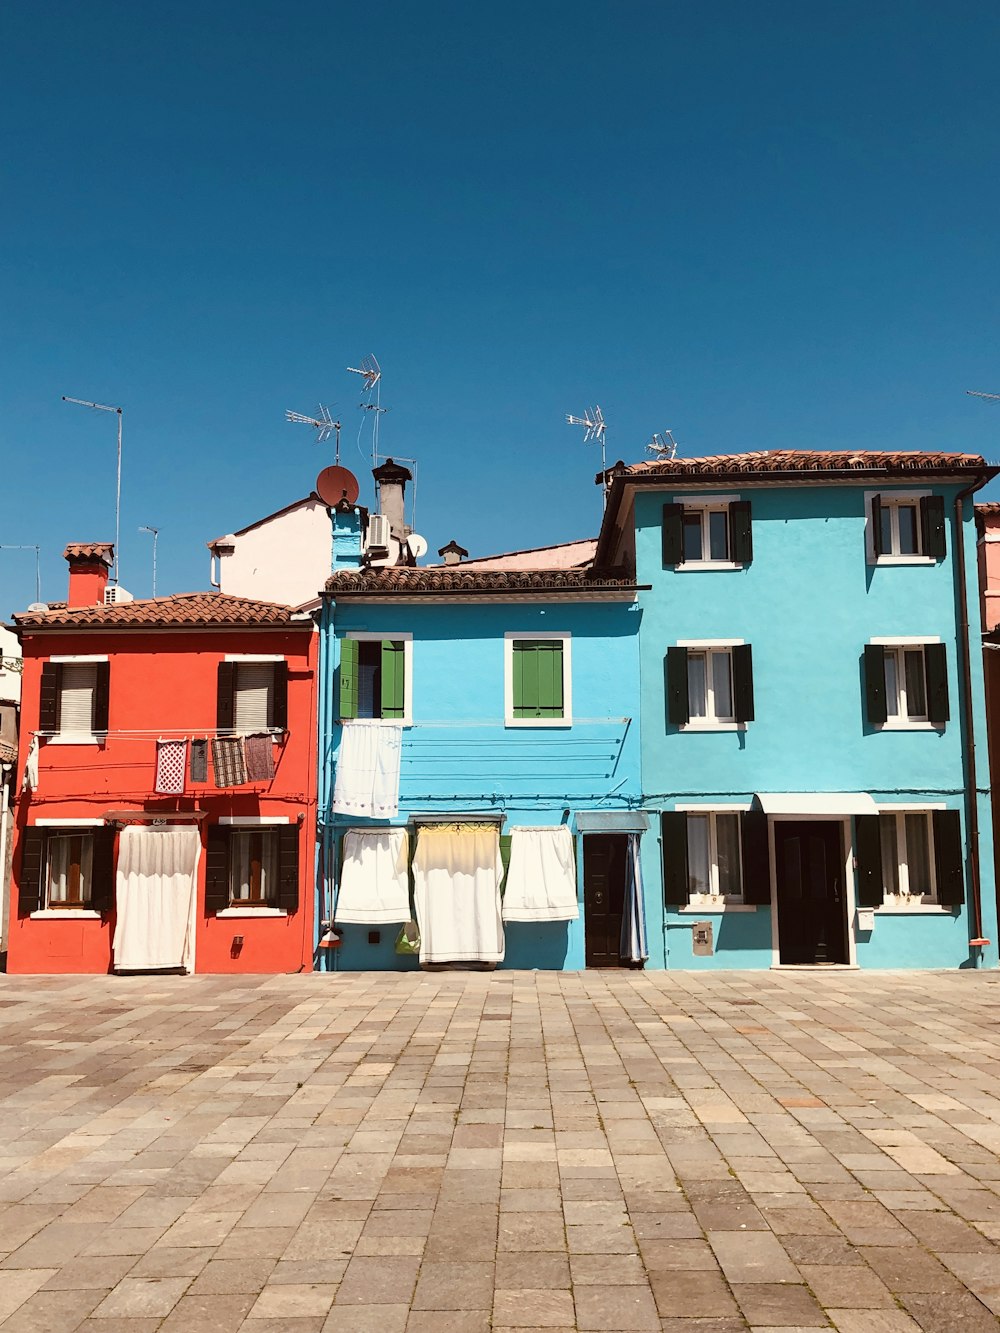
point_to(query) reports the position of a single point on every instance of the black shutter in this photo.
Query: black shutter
(756, 858)
(288, 867)
(217, 869)
(932, 525)
(676, 669)
(102, 888)
(673, 534)
(936, 665)
(29, 879)
(102, 694)
(740, 536)
(875, 683)
(279, 697)
(877, 525)
(948, 857)
(868, 855)
(673, 835)
(48, 706)
(743, 682)
(225, 702)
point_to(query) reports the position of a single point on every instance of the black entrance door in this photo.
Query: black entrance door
(812, 912)
(604, 897)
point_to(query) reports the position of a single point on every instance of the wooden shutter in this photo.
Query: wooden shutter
(740, 536)
(505, 841)
(225, 696)
(279, 697)
(538, 678)
(936, 666)
(948, 858)
(217, 869)
(29, 879)
(875, 701)
(868, 855)
(742, 682)
(102, 694)
(550, 679)
(525, 683)
(932, 528)
(48, 707)
(677, 686)
(102, 889)
(673, 835)
(673, 534)
(393, 677)
(348, 678)
(288, 867)
(877, 527)
(756, 858)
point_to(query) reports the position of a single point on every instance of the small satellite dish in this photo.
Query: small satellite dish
(335, 484)
(417, 545)
(38, 606)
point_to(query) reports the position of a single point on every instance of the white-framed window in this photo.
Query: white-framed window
(73, 706)
(69, 869)
(906, 684)
(253, 867)
(252, 694)
(376, 677)
(538, 679)
(906, 681)
(904, 527)
(908, 861)
(710, 684)
(714, 857)
(707, 532)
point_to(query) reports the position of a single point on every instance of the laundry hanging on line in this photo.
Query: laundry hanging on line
(199, 761)
(171, 764)
(541, 876)
(228, 761)
(367, 782)
(258, 754)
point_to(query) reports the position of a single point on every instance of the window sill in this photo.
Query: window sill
(914, 909)
(379, 721)
(248, 913)
(716, 908)
(904, 560)
(70, 738)
(699, 566)
(549, 722)
(712, 726)
(911, 726)
(65, 914)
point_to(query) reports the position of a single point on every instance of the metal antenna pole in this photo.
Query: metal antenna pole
(103, 407)
(38, 568)
(156, 533)
(594, 429)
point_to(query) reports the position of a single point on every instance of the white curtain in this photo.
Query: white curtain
(541, 876)
(456, 887)
(375, 881)
(157, 873)
(367, 782)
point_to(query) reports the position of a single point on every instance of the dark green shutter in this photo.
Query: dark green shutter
(393, 677)
(948, 858)
(550, 679)
(932, 529)
(877, 525)
(102, 889)
(874, 660)
(756, 858)
(29, 879)
(505, 841)
(348, 670)
(225, 696)
(538, 678)
(673, 534)
(677, 686)
(279, 698)
(740, 535)
(525, 680)
(743, 682)
(673, 835)
(288, 867)
(102, 695)
(48, 704)
(868, 856)
(936, 665)
(217, 869)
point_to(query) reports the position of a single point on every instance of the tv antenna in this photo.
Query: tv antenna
(369, 370)
(155, 533)
(103, 407)
(663, 444)
(323, 424)
(594, 428)
(976, 393)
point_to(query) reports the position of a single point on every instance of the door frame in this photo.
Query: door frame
(849, 894)
(596, 833)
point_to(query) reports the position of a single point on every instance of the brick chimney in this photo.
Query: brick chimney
(392, 479)
(89, 563)
(452, 554)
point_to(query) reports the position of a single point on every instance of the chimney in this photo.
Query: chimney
(347, 521)
(453, 554)
(89, 563)
(392, 479)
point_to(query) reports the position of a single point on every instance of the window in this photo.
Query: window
(537, 678)
(375, 677)
(905, 527)
(706, 531)
(252, 696)
(910, 857)
(74, 699)
(906, 683)
(69, 870)
(709, 684)
(715, 867)
(715, 858)
(65, 869)
(252, 866)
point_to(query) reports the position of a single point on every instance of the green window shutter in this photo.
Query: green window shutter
(505, 841)
(874, 660)
(48, 708)
(936, 666)
(225, 696)
(932, 528)
(102, 890)
(102, 695)
(525, 680)
(740, 536)
(948, 857)
(550, 679)
(217, 869)
(673, 835)
(868, 856)
(348, 671)
(538, 678)
(877, 526)
(393, 677)
(677, 686)
(756, 858)
(673, 534)
(29, 879)
(743, 682)
(288, 867)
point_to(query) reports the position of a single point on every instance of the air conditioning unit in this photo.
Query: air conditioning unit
(114, 593)
(379, 532)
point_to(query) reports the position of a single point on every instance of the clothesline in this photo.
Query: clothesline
(173, 733)
(498, 722)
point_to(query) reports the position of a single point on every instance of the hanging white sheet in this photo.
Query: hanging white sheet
(541, 876)
(633, 938)
(157, 873)
(375, 881)
(456, 888)
(367, 782)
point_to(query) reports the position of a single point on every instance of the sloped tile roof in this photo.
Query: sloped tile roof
(90, 551)
(455, 579)
(188, 610)
(799, 460)
(565, 555)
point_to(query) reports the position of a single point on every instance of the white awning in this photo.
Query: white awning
(807, 803)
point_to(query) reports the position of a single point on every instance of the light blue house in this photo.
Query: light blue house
(812, 724)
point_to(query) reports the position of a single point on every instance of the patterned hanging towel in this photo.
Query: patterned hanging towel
(259, 754)
(227, 760)
(199, 761)
(171, 761)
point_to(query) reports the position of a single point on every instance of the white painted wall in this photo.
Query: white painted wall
(285, 559)
(10, 681)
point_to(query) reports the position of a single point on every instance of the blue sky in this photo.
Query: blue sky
(763, 226)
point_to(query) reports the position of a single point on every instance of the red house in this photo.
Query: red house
(167, 815)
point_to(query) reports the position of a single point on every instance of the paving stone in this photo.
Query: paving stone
(521, 1308)
(615, 1308)
(773, 1304)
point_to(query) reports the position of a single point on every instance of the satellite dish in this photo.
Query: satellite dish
(38, 606)
(417, 545)
(335, 484)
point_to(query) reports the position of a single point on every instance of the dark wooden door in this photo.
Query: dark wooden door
(604, 897)
(812, 910)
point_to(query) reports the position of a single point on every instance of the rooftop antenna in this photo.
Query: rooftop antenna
(38, 569)
(323, 424)
(156, 533)
(371, 372)
(103, 407)
(976, 393)
(594, 427)
(664, 444)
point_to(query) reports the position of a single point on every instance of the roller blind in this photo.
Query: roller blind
(254, 688)
(76, 697)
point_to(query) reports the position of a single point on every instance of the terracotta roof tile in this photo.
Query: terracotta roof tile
(455, 579)
(800, 460)
(90, 551)
(189, 610)
(565, 555)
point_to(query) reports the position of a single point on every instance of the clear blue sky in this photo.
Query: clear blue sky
(761, 225)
